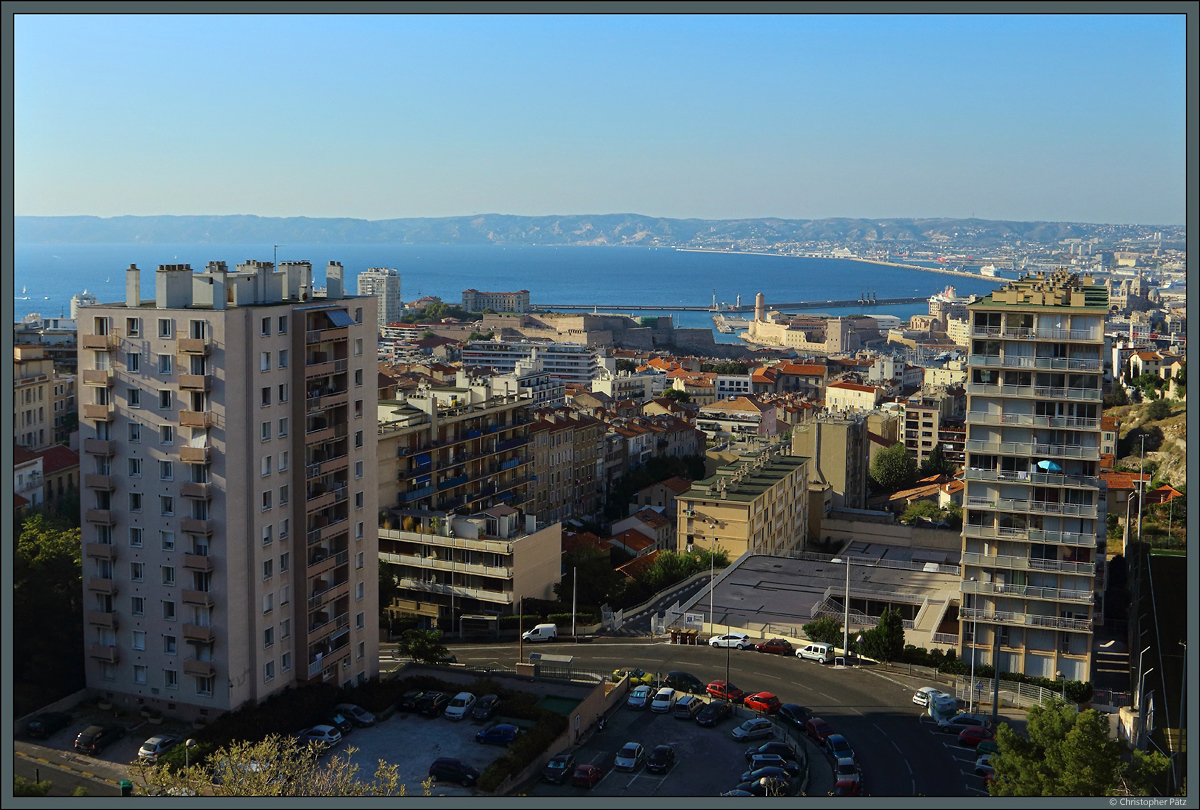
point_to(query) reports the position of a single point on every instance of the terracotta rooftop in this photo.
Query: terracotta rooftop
(58, 457)
(850, 386)
(651, 518)
(638, 564)
(633, 540)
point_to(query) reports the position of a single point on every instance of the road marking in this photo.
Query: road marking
(910, 773)
(827, 697)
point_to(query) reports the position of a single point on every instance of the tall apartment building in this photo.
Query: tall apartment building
(837, 446)
(384, 284)
(565, 361)
(566, 459)
(229, 495)
(1034, 513)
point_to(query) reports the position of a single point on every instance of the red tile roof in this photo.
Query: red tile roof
(638, 564)
(58, 458)
(1123, 480)
(633, 540)
(849, 386)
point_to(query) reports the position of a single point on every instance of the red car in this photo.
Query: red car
(847, 787)
(762, 702)
(722, 690)
(974, 735)
(586, 776)
(817, 730)
(779, 646)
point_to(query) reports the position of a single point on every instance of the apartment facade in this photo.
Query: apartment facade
(566, 459)
(565, 361)
(384, 284)
(229, 495)
(475, 301)
(1034, 507)
(33, 397)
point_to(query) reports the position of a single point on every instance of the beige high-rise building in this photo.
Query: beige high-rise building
(384, 284)
(1033, 514)
(34, 383)
(230, 538)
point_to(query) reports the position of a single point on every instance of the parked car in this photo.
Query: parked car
(46, 723)
(739, 640)
(409, 700)
(663, 700)
(821, 653)
(846, 787)
(340, 722)
(639, 697)
(432, 704)
(972, 736)
(358, 716)
(713, 712)
(983, 765)
(845, 769)
(838, 746)
(498, 734)
(794, 715)
(772, 771)
(94, 739)
(155, 747)
(921, 696)
(629, 757)
(661, 759)
(586, 776)
(788, 766)
(559, 769)
(723, 690)
(687, 707)
(958, 722)
(323, 735)
(778, 646)
(777, 747)
(636, 676)
(684, 682)
(817, 730)
(986, 747)
(762, 702)
(448, 769)
(485, 707)
(754, 729)
(770, 786)
(460, 706)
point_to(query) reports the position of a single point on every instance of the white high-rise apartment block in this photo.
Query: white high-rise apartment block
(384, 284)
(230, 538)
(1033, 513)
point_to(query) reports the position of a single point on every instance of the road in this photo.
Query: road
(900, 751)
(36, 763)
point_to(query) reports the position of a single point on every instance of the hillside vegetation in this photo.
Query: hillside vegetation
(1166, 442)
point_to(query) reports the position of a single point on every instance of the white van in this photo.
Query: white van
(821, 653)
(543, 632)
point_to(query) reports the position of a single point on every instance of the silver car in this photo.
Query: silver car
(155, 747)
(629, 757)
(754, 729)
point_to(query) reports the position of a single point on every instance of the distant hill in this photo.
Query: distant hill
(584, 229)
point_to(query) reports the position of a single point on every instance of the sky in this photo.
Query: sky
(1076, 118)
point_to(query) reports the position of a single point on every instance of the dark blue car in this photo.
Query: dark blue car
(499, 734)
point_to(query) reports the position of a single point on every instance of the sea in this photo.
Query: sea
(626, 280)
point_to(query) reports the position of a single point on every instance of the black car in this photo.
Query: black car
(449, 769)
(768, 772)
(661, 759)
(45, 724)
(775, 747)
(433, 703)
(408, 701)
(340, 722)
(685, 682)
(559, 769)
(485, 707)
(714, 712)
(94, 739)
(794, 715)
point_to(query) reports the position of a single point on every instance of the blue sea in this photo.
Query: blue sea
(627, 280)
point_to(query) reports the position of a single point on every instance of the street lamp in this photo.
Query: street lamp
(1059, 676)
(187, 746)
(846, 606)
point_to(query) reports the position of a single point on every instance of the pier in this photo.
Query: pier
(851, 302)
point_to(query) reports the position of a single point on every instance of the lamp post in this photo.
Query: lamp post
(712, 569)
(1058, 676)
(974, 622)
(188, 745)
(846, 607)
(574, 592)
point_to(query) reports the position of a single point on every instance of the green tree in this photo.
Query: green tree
(1117, 398)
(921, 509)
(599, 582)
(825, 630)
(894, 468)
(1181, 375)
(885, 641)
(1149, 384)
(625, 364)
(389, 587)
(1067, 753)
(1158, 409)
(936, 463)
(675, 395)
(423, 646)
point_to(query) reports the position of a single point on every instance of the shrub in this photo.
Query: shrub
(825, 630)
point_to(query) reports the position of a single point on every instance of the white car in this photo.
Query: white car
(460, 706)
(922, 696)
(739, 640)
(846, 770)
(663, 700)
(326, 735)
(983, 765)
(754, 729)
(155, 747)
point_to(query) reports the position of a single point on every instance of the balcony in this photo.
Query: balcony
(104, 483)
(321, 561)
(195, 419)
(324, 433)
(195, 382)
(192, 346)
(323, 621)
(328, 594)
(438, 564)
(332, 333)
(204, 669)
(196, 525)
(195, 455)
(201, 598)
(104, 517)
(1086, 394)
(98, 342)
(102, 585)
(323, 368)
(102, 551)
(98, 413)
(1029, 620)
(191, 489)
(103, 652)
(496, 596)
(326, 467)
(101, 618)
(1062, 538)
(1029, 592)
(1031, 420)
(198, 562)
(98, 377)
(100, 447)
(196, 632)
(329, 664)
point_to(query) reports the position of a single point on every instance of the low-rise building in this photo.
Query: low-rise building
(852, 396)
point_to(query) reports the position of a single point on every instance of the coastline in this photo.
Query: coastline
(960, 273)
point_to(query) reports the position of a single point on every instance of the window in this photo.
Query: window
(166, 470)
(168, 575)
(285, 661)
(133, 361)
(164, 399)
(283, 358)
(139, 639)
(358, 592)
(358, 347)
(166, 505)
(135, 536)
(204, 686)
(135, 501)
(265, 328)
(133, 327)
(358, 314)
(283, 528)
(137, 605)
(358, 531)
(358, 560)
(283, 392)
(266, 535)
(170, 679)
(285, 594)
(268, 569)
(135, 571)
(284, 560)
(166, 540)
(166, 434)
(168, 609)
(358, 500)
(264, 397)
(164, 364)
(134, 397)
(358, 469)
(139, 673)
(358, 377)
(358, 408)
(135, 434)
(283, 461)
(282, 328)
(285, 628)
(269, 671)
(265, 465)
(166, 327)
(264, 431)
(268, 636)
(358, 439)
(283, 427)
(264, 361)
(266, 500)
(169, 645)
(362, 650)
(283, 495)
(268, 602)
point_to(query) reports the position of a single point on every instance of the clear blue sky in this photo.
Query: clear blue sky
(1042, 117)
